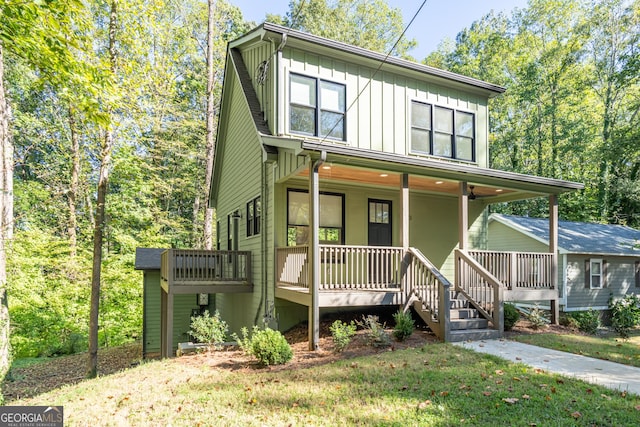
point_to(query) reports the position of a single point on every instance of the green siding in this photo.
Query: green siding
(240, 182)
(182, 306)
(504, 238)
(253, 58)
(380, 118)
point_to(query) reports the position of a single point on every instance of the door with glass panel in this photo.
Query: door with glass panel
(380, 265)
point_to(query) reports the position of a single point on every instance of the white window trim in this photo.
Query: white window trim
(591, 262)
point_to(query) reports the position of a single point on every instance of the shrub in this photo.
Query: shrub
(625, 314)
(208, 329)
(374, 331)
(404, 325)
(537, 318)
(511, 316)
(587, 321)
(342, 333)
(268, 346)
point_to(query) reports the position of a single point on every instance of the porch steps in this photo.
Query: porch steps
(465, 322)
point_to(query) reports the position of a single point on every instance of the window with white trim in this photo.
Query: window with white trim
(442, 132)
(317, 107)
(596, 273)
(331, 227)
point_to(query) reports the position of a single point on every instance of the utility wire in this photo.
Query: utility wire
(324, 138)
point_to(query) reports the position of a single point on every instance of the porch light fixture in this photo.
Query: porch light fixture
(236, 215)
(326, 167)
(472, 196)
(384, 175)
(439, 182)
(499, 190)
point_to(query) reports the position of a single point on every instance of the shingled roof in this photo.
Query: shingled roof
(578, 237)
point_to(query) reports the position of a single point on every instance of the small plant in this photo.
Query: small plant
(268, 346)
(208, 329)
(586, 321)
(625, 314)
(537, 318)
(342, 333)
(511, 316)
(374, 331)
(404, 325)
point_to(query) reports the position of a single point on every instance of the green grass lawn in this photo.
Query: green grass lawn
(606, 347)
(436, 385)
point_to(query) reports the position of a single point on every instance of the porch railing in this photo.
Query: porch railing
(196, 267)
(342, 267)
(521, 270)
(431, 288)
(480, 287)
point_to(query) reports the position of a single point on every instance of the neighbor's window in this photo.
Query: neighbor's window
(317, 107)
(442, 132)
(331, 218)
(595, 273)
(253, 217)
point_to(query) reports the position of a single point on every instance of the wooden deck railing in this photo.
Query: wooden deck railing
(520, 270)
(480, 287)
(342, 267)
(425, 282)
(195, 267)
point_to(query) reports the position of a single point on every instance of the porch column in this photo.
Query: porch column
(553, 248)
(314, 252)
(463, 217)
(166, 324)
(404, 239)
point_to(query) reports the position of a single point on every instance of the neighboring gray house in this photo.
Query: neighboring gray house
(595, 261)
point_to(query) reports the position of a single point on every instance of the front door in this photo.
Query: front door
(380, 274)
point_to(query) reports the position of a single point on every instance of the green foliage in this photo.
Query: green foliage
(268, 346)
(404, 325)
(625, 314)
(374, 331)
(586, 321)
(208, 329)
(511, 316)
(342, 333)
(537, 318)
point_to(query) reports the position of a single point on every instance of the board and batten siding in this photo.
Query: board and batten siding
(240, 182)
(380, 117)
(620, 281)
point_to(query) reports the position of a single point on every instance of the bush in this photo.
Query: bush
(342, 333)
(511, 316)
(404, 325)
(537, 318)
(374, 331)
(587, 321)
(268, 346)
(208, 329)
(625, 314)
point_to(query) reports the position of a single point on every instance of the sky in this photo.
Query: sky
(438, 19)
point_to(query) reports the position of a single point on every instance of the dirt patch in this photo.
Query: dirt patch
(54, 373)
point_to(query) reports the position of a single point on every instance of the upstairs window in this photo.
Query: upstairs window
(254, 209)
(442, 132)
(317, 107)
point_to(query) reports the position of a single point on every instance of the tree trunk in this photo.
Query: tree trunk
(72, 195)
(7, 195)
(210, 143)
(98, 230)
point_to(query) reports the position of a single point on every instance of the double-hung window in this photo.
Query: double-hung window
(596, 276)
(254, 209)
(331, 227)
(443, 132)
(317, 107)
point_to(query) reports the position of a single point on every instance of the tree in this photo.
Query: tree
(369, 24)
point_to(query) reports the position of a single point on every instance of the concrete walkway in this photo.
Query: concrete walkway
(595, 371)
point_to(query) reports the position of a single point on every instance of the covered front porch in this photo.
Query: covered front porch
(413, 271)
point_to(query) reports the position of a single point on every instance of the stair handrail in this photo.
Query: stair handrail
(440, 289)
(496, 315)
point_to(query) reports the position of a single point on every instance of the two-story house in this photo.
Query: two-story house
(345, 178)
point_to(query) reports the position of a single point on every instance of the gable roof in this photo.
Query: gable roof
(578, 237)
(279, 33)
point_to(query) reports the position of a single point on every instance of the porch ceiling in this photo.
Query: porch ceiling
(390, 179)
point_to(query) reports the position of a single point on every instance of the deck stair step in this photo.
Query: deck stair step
(464, 313)
(459, 324)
